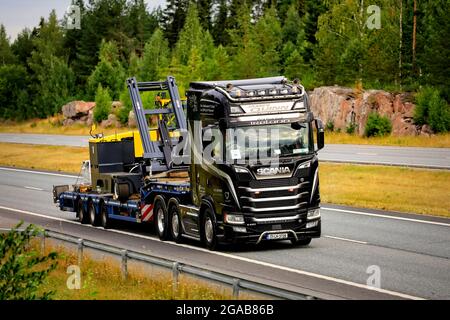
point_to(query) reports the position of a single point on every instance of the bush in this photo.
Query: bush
(22, 269)
(351, 128)
(123, 112)
(377, 126)
(432, 109)
(329, 126)
(102, 104)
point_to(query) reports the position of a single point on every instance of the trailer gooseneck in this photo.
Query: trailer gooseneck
(238, 162)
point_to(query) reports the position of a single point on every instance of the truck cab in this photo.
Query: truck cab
(257, 175)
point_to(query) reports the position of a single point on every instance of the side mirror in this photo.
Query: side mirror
(320, 134)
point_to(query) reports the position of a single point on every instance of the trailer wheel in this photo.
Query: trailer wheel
(93, 219)
(301, 242)
(104, 219)
(161, 221)
(208, 230)
(175, 224)
(81, 214)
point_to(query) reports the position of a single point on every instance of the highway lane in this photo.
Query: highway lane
(413, 256)
(438, 158)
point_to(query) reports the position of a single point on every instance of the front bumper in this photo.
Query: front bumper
(262, 232)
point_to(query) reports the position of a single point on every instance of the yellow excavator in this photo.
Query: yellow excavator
(162, 101)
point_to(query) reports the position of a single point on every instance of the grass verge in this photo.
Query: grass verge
(53, 126)
(53, 158)
(101, 280)
(434, 141)
(380, 187)
(387, 188)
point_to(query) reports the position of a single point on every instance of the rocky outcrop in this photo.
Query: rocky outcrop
(344, 107)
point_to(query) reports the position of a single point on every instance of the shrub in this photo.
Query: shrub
(329, 126)
(432, 109)
(351, 128)
(23, 269)
(377, 126)
(123, 112)
(102, 104)
(438, 113)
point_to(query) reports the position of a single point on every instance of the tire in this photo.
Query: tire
(208, 230)
(175, 224)
(104, 219)
(161, 221)
(301, 242)
(93, 218)
(82, 217)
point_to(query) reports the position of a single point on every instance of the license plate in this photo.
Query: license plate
(277, 236)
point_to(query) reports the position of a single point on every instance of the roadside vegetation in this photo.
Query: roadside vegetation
(381, 187)
(387, 188)
(30, 272)
(101, 280)
(433, 141)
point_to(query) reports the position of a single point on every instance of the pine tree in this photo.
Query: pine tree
(156, 57)
(220, 35)
(109, 72)
(6, 54)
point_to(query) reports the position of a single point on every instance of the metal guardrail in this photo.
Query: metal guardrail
(236, 283)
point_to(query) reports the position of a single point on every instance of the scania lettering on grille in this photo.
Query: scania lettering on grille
(273, 171)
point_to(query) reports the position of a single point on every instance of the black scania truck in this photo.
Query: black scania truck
(236, 163)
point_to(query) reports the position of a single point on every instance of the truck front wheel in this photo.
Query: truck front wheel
(209, 235)
(161, 221)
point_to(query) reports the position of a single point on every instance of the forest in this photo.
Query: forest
(396, 45)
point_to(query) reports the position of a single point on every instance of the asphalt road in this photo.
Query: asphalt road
(411, 251)
(438, 158)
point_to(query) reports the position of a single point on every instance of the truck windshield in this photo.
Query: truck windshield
(271, 141)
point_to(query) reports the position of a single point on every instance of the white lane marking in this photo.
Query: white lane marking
(39, 172)
(376, 215)
(33, 188)
(366, 154)
(345, 239)
(270, 265)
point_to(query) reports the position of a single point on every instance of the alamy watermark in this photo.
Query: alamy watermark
(74, 280)
(374, 279)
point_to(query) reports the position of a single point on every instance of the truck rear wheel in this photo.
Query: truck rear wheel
(175, 224)
(161, 221)
(208, 230)
(104, 219)
(82, 217)
(93, 219)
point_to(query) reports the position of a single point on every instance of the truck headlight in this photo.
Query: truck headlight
(314, 214)
(233, 218)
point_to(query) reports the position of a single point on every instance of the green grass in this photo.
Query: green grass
(387, 188)
(101, 280)
(434, 141)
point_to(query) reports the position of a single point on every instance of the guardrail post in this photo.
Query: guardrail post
(124, 265)
(80, 251)
(175, 273)
(236, 288)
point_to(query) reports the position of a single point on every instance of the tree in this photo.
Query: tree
(22, 269)
(109, 72)
(14, 97)
(53, 81)
(173, 19)
(204, 12)
(102, 104)
(268, 36)
(6, 54)
(23, 46)
(219, 34)
(156, 57)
